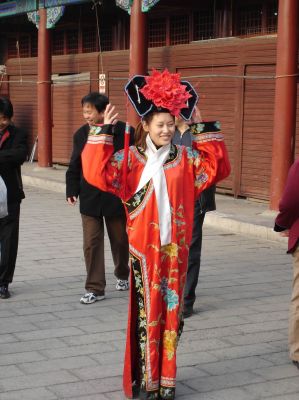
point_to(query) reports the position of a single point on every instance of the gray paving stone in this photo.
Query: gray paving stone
(98, 371)
(195, 358)
(15, 358)
(290, 396)
(185, 373)
(258, 337)
(97, 338)
(230, 380)
(262, 327)
(277, 358)
(274, 387)
(74, 351)
(243, 351)
(16, 327)
(278, 372)
(31, 345)
(66, 363)
(225, 394)
(189, 346)
(9, 371)
(7, 338)
(48, 333)
(114, 396)
(87, 388)
(236, 365)
(28, 394)
(64, 323)
(37, 380)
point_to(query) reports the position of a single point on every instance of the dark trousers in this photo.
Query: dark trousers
(9, 240)
(194, 257)
(93, 248)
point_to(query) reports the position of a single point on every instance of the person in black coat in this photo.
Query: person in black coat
(205, 202)
(97, 206)
(13, 152)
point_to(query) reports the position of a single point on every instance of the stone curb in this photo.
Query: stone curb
(46, 184)
(222, 221)
(212, 219)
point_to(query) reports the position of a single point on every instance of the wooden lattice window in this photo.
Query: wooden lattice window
(157, 32)
(72, 41)
(18, 46)
(89, 40)
(204, 25)
(34, 45)
(106, 38)
(272, 17)
(58, 43)
(250, 20)
(12, 51)
(24, 46)
(179, 29)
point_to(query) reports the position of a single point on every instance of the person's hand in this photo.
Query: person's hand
(72, 200)
(196, 116)
(110, 116)
(285, 233)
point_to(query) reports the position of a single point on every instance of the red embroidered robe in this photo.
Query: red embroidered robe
(157, 273)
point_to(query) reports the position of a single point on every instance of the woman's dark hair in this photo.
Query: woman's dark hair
(98, 100)
(140, 133)
(6, 108)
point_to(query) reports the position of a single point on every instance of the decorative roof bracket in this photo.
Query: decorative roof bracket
(127, 4)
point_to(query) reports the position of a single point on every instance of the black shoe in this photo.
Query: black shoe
(296, 363)
(4, 292)
(188, 312)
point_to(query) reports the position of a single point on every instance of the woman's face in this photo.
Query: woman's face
(160, 128)
(4, 122)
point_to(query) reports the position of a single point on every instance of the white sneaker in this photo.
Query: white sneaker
(90, 298)
(122, 284)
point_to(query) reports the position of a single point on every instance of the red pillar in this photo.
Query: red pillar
(44, 93)
(138, 49)
(285, 97)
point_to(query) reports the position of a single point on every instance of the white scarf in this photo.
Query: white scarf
(154, 170)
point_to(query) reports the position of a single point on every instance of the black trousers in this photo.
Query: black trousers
(194, 257)
(9, 240)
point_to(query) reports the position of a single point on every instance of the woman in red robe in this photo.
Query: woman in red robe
(163, 180)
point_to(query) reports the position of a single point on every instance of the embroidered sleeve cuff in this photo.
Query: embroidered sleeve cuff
(206, 131)
(100, 135)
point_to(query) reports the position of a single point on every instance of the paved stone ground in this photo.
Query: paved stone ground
(52, 347)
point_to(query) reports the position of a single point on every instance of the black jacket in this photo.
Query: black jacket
(13, 152)
(93, 202)
(206, 201)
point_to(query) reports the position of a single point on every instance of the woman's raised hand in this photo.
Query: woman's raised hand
(196, 116)
(110, 117)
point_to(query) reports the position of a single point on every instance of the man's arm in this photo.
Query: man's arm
(74, 171)
(17, 154)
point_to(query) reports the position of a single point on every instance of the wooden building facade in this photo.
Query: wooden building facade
(227, 49)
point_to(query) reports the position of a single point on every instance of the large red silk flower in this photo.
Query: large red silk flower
(166, 91)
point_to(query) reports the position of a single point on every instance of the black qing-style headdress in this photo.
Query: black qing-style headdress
(162, 91)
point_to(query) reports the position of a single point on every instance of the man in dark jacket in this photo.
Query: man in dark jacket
(13, 152)
(287, 222)
(206, 202)
(95, 206)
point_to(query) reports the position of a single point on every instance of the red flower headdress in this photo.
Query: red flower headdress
(166, 91)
